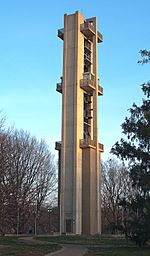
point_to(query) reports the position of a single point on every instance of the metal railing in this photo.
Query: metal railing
(86, 143)
(100, 36)
(59, 87)
(88, 25)
(61, 33)
(86, 83)
(100, 89)
(101, 147)
(88, 76)
(58, 145)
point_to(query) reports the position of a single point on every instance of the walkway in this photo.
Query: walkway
(70, 250)
(67, 250)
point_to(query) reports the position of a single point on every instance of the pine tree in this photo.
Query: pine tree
(136, 150)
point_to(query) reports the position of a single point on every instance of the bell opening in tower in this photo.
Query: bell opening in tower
(87, 56)
(87, 116)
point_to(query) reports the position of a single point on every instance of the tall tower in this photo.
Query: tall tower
(79, 150)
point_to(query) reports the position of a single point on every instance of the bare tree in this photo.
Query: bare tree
(3, 171)
(27, 178)
(115, 187)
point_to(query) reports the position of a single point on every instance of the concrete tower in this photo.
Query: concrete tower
(79, 150)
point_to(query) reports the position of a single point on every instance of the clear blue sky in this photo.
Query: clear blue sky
(31, 62)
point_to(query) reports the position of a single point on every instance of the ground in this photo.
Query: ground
(96, 245)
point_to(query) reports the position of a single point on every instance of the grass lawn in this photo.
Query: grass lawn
(116, 246)
(102, 245)
(12, 246)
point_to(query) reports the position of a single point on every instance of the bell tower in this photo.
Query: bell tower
(79, 149)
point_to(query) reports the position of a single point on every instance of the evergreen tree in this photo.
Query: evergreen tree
(136, 150)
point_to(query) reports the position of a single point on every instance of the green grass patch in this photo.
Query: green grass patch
(102, 245)
(86, 240)
(118, 251)
(12, 246)
(65, 239)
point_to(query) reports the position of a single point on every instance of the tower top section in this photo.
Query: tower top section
(88, 28)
